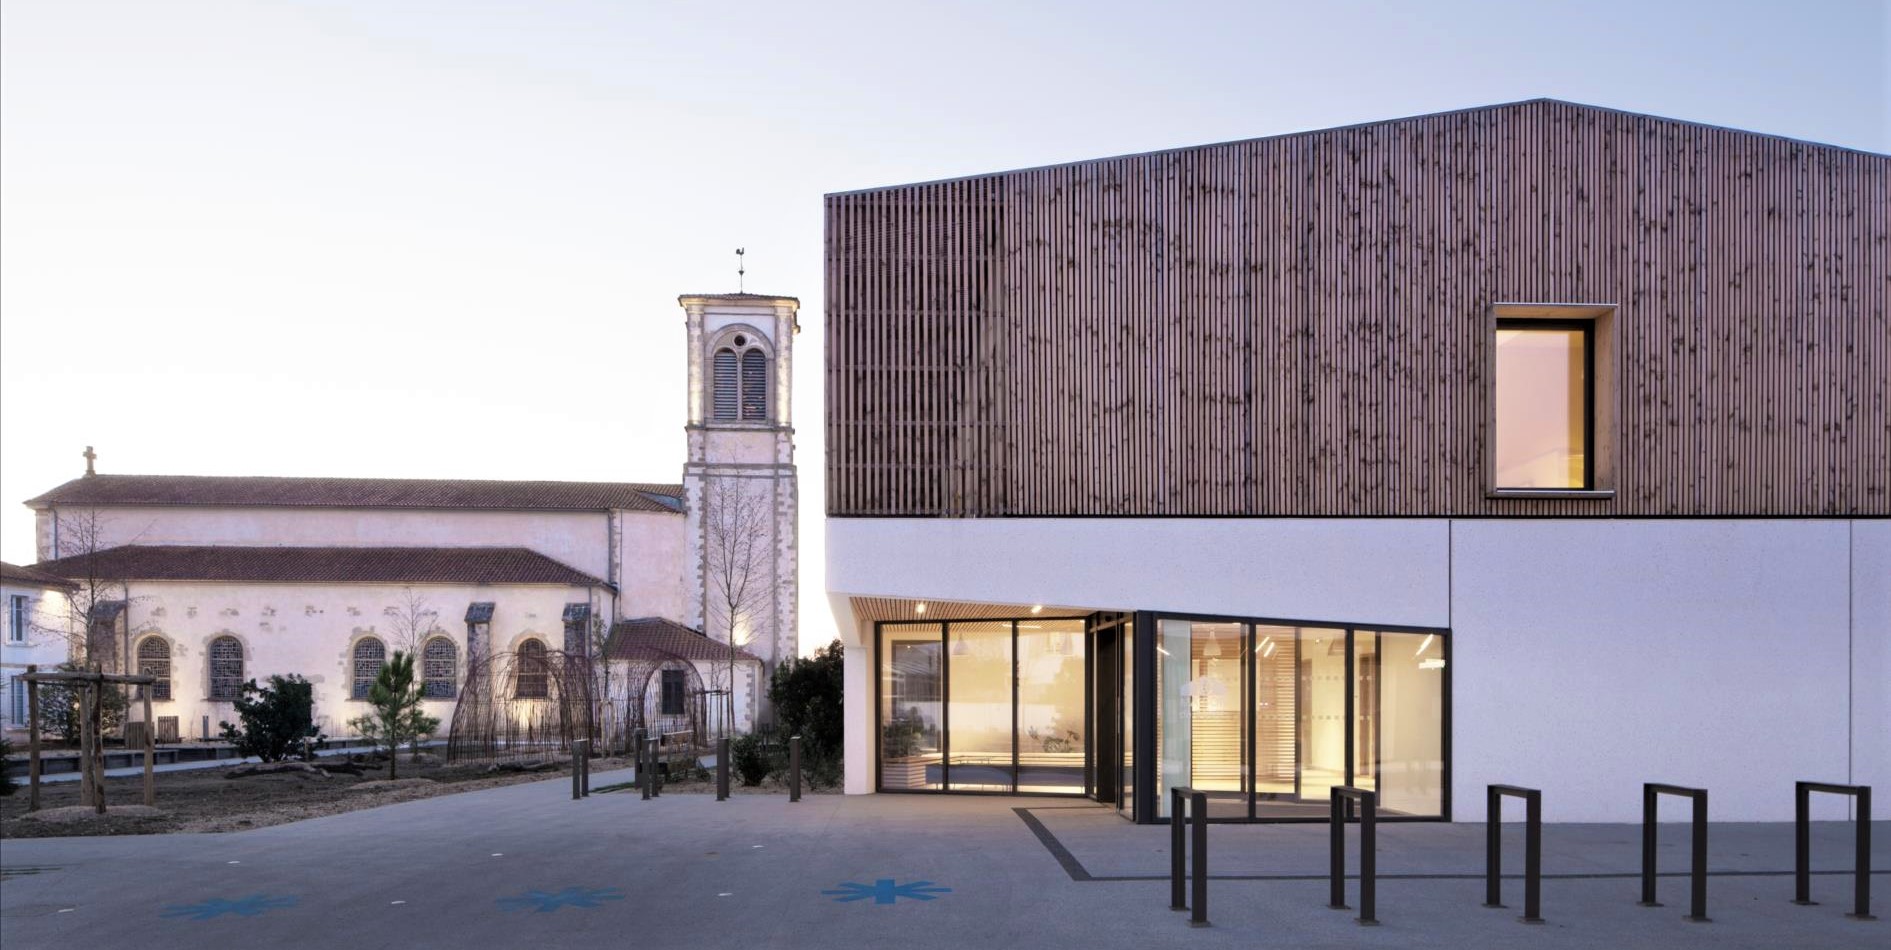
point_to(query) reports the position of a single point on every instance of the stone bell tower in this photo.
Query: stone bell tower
(739, 482)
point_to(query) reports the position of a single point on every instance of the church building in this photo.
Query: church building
(677, 598)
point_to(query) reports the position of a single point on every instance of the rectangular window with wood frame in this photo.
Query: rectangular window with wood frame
(1545, 405)
(674, 683)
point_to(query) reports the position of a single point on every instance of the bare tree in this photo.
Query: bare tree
(737, 551)
(410, 621)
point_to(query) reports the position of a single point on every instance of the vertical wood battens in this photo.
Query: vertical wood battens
(1300, 325)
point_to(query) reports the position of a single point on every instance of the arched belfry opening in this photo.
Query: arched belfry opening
(740, 376)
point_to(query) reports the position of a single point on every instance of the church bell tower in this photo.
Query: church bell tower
(739, 481)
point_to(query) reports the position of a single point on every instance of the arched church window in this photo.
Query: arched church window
(439, 661)
(533, 675)
(226, 668)
(370, 656)
(154, 659)
(754, 386)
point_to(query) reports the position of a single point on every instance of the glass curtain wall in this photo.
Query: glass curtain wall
(1050, 727)
(912, 706)
(983, 706)
(1267, 719)
(978, 707)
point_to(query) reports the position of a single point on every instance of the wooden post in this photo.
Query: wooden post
(84, 712)
(32, 740)
(150, 750)
(98, 745)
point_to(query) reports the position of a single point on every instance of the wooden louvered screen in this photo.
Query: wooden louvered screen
(725, 384)
(754, 385)
(1301, 325)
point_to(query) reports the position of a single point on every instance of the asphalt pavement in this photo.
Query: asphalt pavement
(525, 866)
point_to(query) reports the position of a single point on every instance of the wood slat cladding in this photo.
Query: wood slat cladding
(901, 610)
(1302, 325)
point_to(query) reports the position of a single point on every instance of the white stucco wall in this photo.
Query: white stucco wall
(310, 629)
(1592, 656)
(578, 538)
(1871, 654)
(653, 581)
(1588, 656)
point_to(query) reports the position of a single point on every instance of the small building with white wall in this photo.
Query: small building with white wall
(35, 635)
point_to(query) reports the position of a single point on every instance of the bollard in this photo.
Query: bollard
(647, 767)
(1178, 850)
(1188, 819)
(1861, 845)
(1532, 849)
(656, 767)
(794, 769)
(577, 769)
(1198, 822)
(1368, 851)
(722, 769)
(1697, 903)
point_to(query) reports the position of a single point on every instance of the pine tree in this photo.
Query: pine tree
(397, 717)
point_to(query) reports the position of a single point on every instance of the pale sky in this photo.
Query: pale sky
(446, 239)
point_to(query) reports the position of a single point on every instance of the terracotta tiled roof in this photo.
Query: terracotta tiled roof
(270, 491)
(29, 577)
(652, 637)
(323, 565)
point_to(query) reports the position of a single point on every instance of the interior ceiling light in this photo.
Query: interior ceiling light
(1426, 645)
(1037, 609)
(919, 608)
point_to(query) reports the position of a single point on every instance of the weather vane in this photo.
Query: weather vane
(739, 271)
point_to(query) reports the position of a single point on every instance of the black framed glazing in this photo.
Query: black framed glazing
(1147, 688)
(879, 673)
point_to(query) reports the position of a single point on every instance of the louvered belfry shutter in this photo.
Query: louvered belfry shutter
(754, 385)
(725, 384)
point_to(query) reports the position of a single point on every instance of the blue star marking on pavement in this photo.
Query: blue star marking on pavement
(884, 891)
(250, 906)
(545, 902)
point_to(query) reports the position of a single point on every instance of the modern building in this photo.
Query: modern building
(209, 581)
(1536, 443)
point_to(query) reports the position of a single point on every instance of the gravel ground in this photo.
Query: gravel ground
(205, 800)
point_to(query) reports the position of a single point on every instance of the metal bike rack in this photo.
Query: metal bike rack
(1802, 845)
(1697, 904)
(1368, 848)
(1532, 849)
(1193, 804)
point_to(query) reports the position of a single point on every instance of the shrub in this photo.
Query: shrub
(397, 718)
(6, 779)
(275, 721)
(807, 698)
(750, 759)
(59, 708)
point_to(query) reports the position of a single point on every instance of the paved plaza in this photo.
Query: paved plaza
(525, 866)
